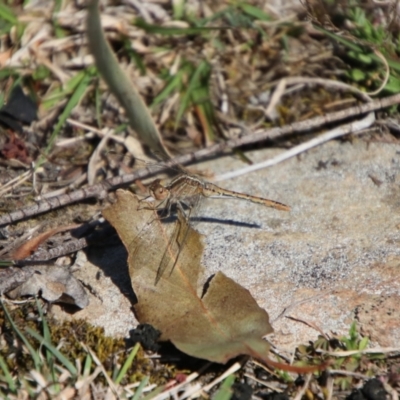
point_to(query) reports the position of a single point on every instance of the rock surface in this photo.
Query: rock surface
(334, 258)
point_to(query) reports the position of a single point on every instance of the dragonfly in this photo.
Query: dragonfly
(178, 191)
(186, 186)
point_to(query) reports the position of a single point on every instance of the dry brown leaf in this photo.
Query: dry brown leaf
(54, 282)
(217, 321)
(29, 247)
(223, 323)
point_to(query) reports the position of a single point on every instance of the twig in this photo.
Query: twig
(348, 373)
(329, 83)
(266, 384)
(174, 389)
(329, 387)
(91, 129)
(392, 391)
(71, 246)
(387, 73)
(275, 99)
(231, 370)
(13, 183)
(100, 190)
(77, 182)
(375, 350)
(325, 137)
(93, 162)
(96, 360)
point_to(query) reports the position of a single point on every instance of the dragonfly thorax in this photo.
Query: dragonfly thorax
(158, 191)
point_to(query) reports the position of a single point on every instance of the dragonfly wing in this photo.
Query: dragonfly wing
(171, 253)
(177, 239)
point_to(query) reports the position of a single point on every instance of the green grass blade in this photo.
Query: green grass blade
(6, 264)
(46, 332)
(7, 14)
(168, 31)
(340, 39)
(184, 102)
(60, 357)
(195, 82)
(393, 85)
(135, 57)
(127, 363)
(136, 110)
(7, 72)
(201, 97)
(8, 378)
(87, 367)
(140, 388)
(34, 354)
(225, 392)
(154, 393)
(72, 102)
(60, 93)
(359, 49)
(178, 7)
(174, 83)
(97, 99)
(254, 12)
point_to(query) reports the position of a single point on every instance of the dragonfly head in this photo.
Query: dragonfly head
(157, 190)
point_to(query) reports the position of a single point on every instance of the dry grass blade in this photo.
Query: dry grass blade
(14, 183)
(346, 129)
(94, 162)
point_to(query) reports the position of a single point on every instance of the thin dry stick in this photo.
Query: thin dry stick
(266, 384)
(375, 350)
(167, 393)
(387, 74)
(100, 190)
(231, 370)
(329, 388)
(328, 83)
(348, 373)
(392, 391)
(92, 166)
(275, 98)
(352, 127)
(91, 129)
(71, 246)
(13, 183)
(72, 186)
(96, 360)
(131, 143)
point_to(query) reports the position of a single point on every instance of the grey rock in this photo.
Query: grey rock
(334, 258)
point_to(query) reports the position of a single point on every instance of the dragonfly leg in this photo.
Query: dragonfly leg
(150, 206)
(146, 205)
(166, 204)
(179, 204)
